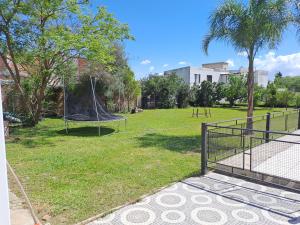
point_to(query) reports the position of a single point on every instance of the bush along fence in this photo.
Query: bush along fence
(269, 152)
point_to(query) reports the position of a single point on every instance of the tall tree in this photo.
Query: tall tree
(41, 38)
(278, 79)
(284, 97)
(183, 93)
(278, 75)
(150, 89)
(258, 94)
(235, 89)
(270, 95)
(164, 91)
(296, 15)
(132, 88)
(249, 27)
(205, 94)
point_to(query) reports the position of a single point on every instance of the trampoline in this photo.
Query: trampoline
(87, 106)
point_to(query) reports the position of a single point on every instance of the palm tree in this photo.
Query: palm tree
(296, 14)
(249, 28)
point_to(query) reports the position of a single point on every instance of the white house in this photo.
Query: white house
(215, 72)
(260, 76)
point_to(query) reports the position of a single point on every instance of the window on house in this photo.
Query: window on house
(209, 78)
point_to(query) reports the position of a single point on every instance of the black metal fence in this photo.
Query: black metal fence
(270, 147)
(279, 121)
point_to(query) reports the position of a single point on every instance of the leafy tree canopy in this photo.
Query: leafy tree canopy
(235, 89)
(164, 91)
(42, 38)
(249, 26)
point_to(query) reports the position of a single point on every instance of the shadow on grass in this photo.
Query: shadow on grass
(36, 137)
(86, 131)
(257, 109)
(34, 143)
(182, 144)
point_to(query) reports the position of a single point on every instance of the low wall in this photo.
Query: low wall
(261, 177)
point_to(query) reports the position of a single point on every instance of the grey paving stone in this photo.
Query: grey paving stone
(211, 200)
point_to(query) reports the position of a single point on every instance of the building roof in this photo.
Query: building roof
(216, 63)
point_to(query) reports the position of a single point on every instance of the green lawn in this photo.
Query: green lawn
(73, 177)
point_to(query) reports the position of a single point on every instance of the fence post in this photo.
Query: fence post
(268, 123)
(286, 122)
(204, 149)
(298, 118)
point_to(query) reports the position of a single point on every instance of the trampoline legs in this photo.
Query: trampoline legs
(66, 127)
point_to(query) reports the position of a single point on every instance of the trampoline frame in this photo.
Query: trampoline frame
(66, 120)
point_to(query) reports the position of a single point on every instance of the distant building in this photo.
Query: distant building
(215, 72)
(260, 76)
(7, 82)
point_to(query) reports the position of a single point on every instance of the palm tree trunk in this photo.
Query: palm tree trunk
(250, 83)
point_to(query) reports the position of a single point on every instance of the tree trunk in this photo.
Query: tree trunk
(39, 103)
(37, 113)
(128, 104)
(250, 83)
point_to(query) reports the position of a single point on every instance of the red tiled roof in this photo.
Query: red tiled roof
(81, 64)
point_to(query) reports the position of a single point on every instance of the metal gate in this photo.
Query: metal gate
(263, 154)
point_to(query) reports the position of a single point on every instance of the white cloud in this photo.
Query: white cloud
(152, 68)
(289, 65)
(230, 62)
(161, 74)
(182, 63)
(243, 53)
(145, 62)
(165, 65)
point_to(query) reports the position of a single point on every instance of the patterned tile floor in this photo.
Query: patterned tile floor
(211, 200)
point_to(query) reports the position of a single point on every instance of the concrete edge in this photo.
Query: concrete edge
(266, 179)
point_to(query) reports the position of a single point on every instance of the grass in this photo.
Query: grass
(73, 177)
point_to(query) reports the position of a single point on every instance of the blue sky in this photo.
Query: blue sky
(168, 35)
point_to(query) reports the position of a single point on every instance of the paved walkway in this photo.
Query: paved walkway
(19, 213)
(280, 157)
(211, 200)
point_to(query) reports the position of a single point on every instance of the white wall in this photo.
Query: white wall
(183, 73)
(261, 78)
(4, 199)
(188, 75)
(204, 72)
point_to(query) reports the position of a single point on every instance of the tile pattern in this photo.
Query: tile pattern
(214, 199)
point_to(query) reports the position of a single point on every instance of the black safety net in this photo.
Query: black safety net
(86, 106)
